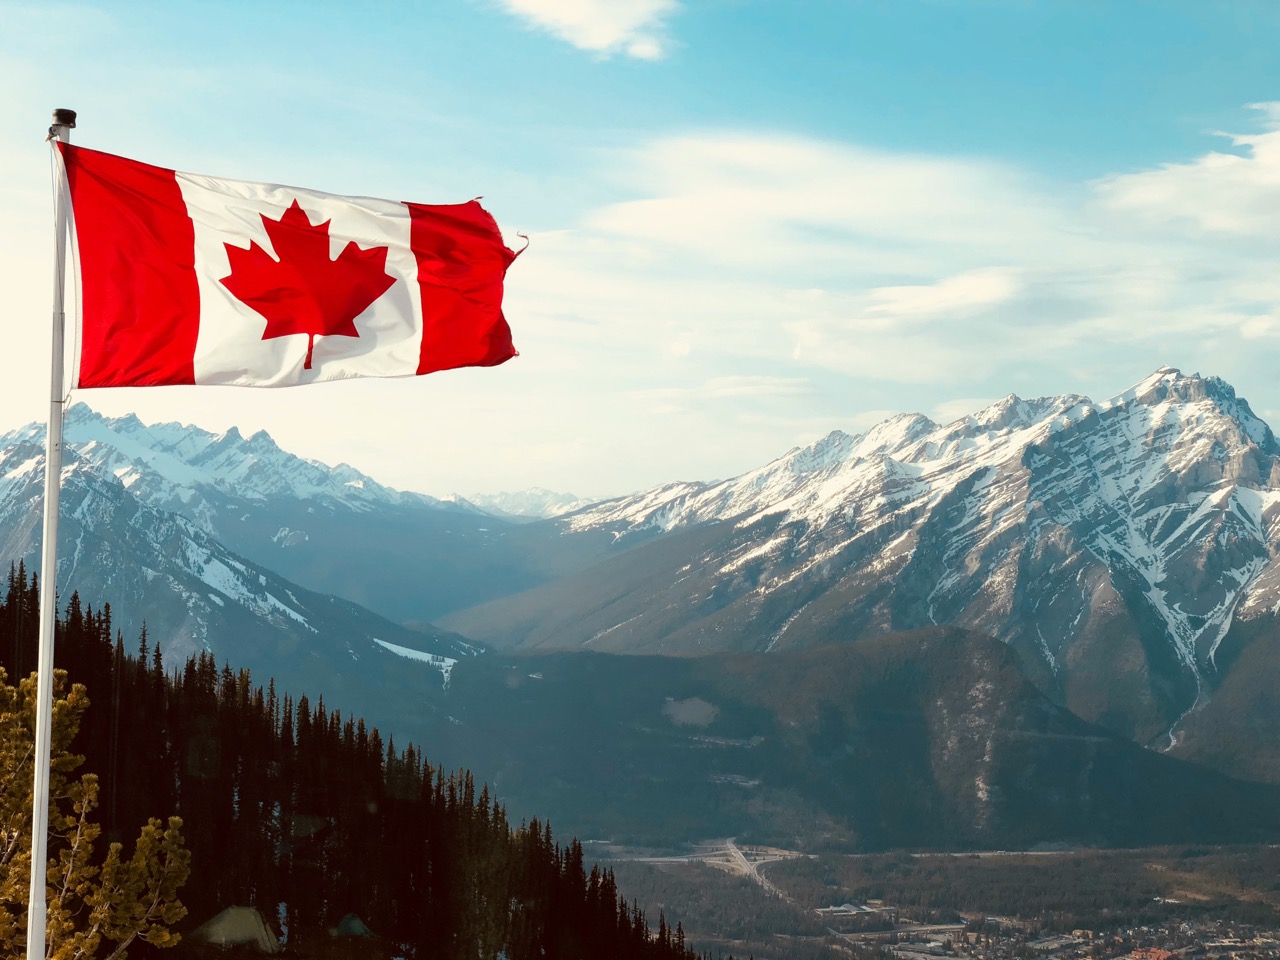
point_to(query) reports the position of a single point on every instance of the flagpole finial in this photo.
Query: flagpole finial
(63, 120)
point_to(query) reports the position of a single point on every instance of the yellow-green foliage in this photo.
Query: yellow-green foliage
(96, 906)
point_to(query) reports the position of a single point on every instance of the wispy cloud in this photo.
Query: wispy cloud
(806, 206)
(1230, 194)
(736, 387)
(636, 28)
(954, 296)
(934, 276)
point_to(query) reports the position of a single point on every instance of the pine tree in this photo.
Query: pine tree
(302, 814)
(93, 910)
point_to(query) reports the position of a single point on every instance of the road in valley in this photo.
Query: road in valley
(743, 861)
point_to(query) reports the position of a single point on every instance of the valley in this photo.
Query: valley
(726, 855)
(930, 739)
(1201, 901)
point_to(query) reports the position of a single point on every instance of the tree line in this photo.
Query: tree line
(309, 815)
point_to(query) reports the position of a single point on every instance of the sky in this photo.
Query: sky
(751, 223)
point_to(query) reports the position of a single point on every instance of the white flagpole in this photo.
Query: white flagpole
(63, 121)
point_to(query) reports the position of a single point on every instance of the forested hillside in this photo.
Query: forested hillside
(309, 816)
(930, 740)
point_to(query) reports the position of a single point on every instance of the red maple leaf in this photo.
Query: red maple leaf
(304, 291)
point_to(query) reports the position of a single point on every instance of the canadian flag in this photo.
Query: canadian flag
(188, 279)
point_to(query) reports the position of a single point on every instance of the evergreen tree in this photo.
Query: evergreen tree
(302, 814)
(93, 909)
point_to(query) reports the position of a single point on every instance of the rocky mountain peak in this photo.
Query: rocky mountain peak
(895, 433)
(1014, 413)
(1198, 425)
(82, 413)
(262, 441)
(834, 448)
(1169, 385)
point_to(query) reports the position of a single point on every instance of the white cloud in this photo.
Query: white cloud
(813, 206)
(1218, 193)
(1256, 328)
(730, 388)
(748, 292)
(635, 28)
(891, 280)
(747, 386)
(958, 295)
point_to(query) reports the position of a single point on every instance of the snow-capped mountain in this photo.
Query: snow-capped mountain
(188, 470)
(167, 570)
(536, 503)
(203, 475)
(1113, 544)
(329, 529)
(1126, 549)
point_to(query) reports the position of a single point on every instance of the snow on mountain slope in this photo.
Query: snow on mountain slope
(170, 465)
(163, 569)
(1167, 435)
(1113, 543)
(332, 530)
(900, 459)
(536, 503)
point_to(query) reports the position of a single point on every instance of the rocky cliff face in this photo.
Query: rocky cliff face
(1112, 544)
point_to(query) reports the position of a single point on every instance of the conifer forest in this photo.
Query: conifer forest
(308, 815)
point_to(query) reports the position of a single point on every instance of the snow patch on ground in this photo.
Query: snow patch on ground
(443, 664)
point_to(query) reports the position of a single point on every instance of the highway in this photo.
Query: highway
(727, 855)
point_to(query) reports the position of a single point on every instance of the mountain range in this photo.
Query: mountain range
(146, 516)
(1126, 549)
(1121, 555)
(536, 503)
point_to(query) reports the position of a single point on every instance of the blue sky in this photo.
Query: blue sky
(751, 222)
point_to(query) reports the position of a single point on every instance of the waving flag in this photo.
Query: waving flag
(188, 279)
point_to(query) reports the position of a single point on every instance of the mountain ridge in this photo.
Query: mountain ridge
(1126, 549)
(1128, 532)
(328, 529)
(164, 572)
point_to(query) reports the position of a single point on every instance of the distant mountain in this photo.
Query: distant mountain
(932, 739)
(333, 530)
(1112, 544)
(188, 470)
(535, 503)
(167, 570)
